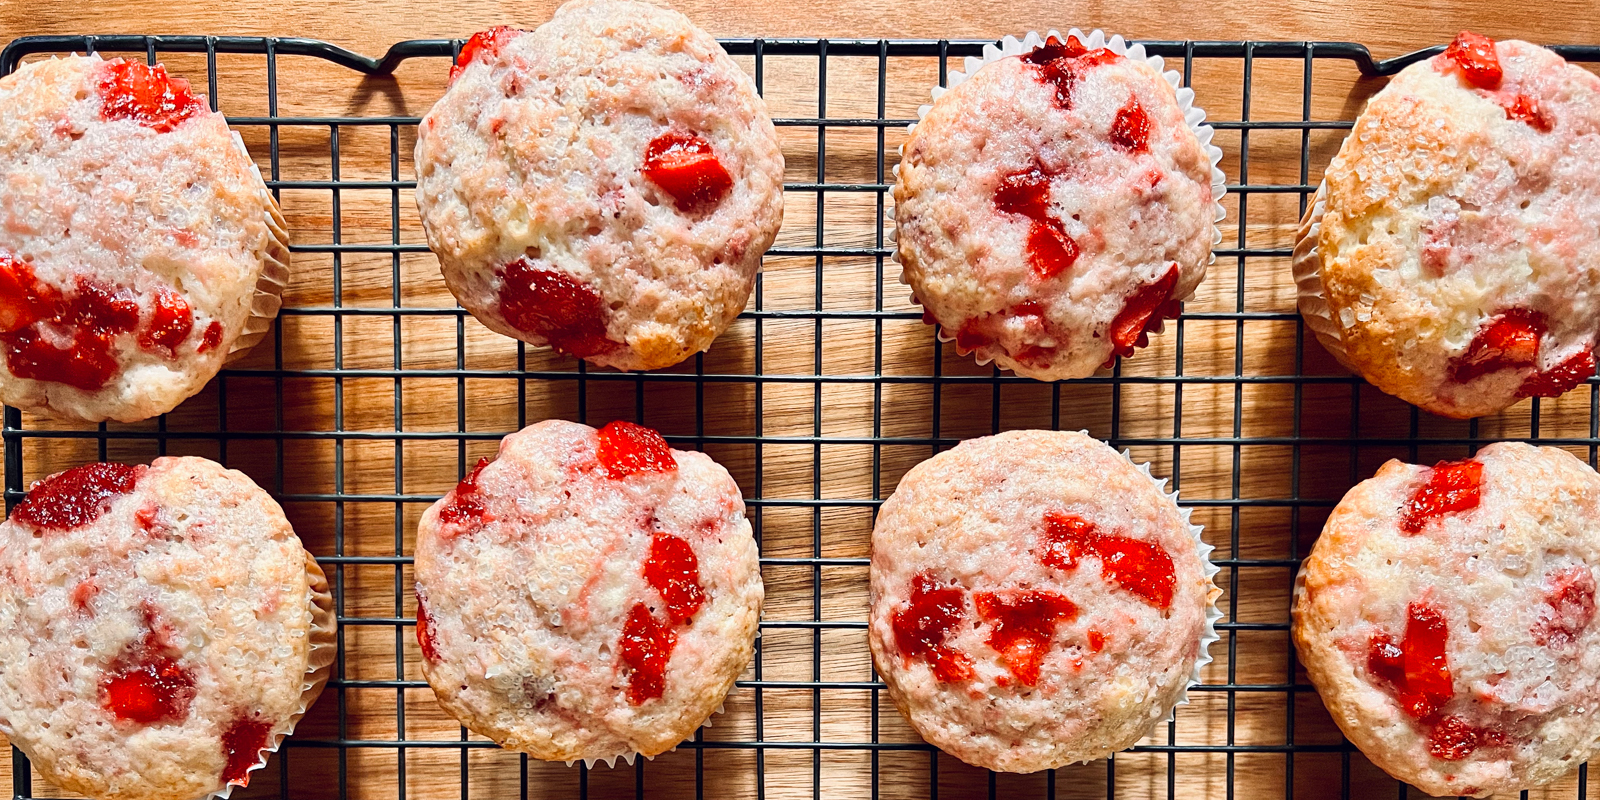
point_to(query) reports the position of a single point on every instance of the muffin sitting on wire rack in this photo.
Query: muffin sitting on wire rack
(1055, 205)
(605, 185)
(1037, 600)
(1450, 257)
(587, 595)
(139, 247)
(161, 629)
(1446, 617)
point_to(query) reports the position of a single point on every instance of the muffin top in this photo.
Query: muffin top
(587, 594)
(133, 227)
(1446, 618)
(604, 185)
(1457, 251)
(1054, 206)
(155, 628)
(1037, 600)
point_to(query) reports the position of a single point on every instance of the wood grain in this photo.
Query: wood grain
(345, 376)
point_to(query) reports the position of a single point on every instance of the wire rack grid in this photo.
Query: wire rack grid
(377, 392)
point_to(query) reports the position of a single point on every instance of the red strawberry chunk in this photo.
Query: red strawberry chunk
(483, 45)
(552, 305)
(147, 95)
(629, 449)
(1022, 623)
(1508, 341)
(685, 167)
(1131, 129)
(1561, 378)
(923, 627)
(1474, 56)
(1139, 315)
(1452, 487)
(645, 649)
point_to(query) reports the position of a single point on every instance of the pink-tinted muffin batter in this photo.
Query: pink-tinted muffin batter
(1037, 600)
(134, 232)
(1446, 617)
(605, 184)
(1053, 208)
(161, 627)
(587, 594)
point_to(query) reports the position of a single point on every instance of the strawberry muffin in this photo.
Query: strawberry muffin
(1053, 207)
(139, 247)
(1451, 257)
(587, 594)
(1446, 615)
(1037, 600)
(161, 629)
(604, 185)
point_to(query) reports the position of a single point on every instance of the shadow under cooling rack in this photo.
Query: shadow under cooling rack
(376, 391)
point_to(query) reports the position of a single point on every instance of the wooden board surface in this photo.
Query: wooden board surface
(1261, 457)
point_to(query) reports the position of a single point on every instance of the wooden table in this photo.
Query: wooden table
(1261, 459)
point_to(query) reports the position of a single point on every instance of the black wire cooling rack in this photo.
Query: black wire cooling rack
(824, 392)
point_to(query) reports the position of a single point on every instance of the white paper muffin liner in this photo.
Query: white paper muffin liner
(324, 646)
(268, 293)
(1209, 634)
(1311, 295)
(1012, 46)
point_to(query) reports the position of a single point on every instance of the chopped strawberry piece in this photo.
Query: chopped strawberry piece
(1453, 738)
(1474, 56)
(147, 685)
(629, 449)
(483, 45)
(1050, 250)
(146, 95)
(426, 638)
(1509, 341)
(1561, 378)
(645, 649)
(1136, 566)
(1526, 109)
(465, 510)
(1141, 312)
(922, 629)
(1417, 671)
(1026, 193)
(170, 322)
(1097, 641)
(569, 315)
(970, 338)
(211, 339)
(76, 497)
(1452, 487)
(1022, 625)
(1060, 65)
(1131, 129)
(242, 744)
(684, 166)
(1569, 608)
(23, 300)
(97, 313)
(674, 572)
